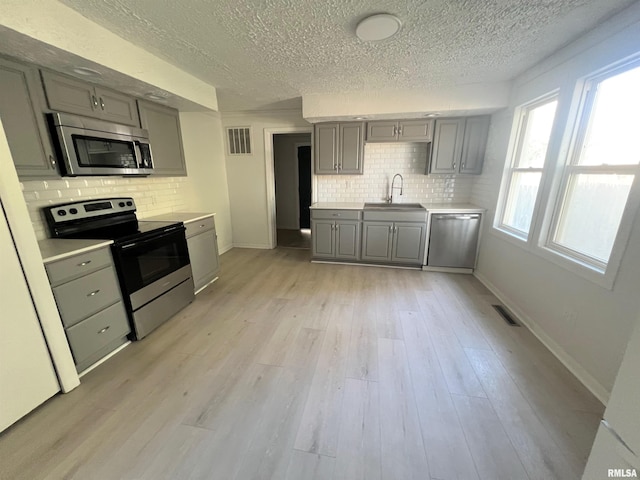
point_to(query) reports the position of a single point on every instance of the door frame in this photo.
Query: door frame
(269, 160)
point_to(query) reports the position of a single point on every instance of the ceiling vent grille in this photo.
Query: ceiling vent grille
(239, 140)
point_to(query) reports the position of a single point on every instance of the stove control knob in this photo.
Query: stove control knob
(73, 211)
(62, 213)
(121, 204)
(129, 203)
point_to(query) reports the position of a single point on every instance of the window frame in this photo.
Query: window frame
(595, 270)
(518, 130)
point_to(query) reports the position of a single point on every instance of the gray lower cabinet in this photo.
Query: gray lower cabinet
(21, 104)
(339, 148)
(88, 297)
(335, 234)
(459, 145)
(395, 242)
(202, 242)
(165, 136)
(66, 94)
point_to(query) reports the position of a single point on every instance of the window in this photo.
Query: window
(601, 170)
(522, 180)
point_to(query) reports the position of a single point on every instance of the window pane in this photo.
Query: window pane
(522, 198)
(611, 136)
(592, 212)
(536, 135)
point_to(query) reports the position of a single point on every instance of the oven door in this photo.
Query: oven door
(153, 264)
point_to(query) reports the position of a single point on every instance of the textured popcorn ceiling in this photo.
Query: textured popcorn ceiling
(267, 53)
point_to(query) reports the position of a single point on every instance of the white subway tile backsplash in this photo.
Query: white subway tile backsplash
(153, 196)
(381, 162)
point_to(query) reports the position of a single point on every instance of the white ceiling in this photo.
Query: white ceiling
(263, 54)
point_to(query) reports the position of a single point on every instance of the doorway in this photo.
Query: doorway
(293, 195)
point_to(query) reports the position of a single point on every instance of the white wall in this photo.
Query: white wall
(286, 175)
(381, 162)
(206, 187)
(585, 325)
(246, 175)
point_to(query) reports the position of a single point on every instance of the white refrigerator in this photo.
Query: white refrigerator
(616, 450)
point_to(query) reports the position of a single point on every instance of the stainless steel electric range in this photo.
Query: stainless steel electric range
(151, 258)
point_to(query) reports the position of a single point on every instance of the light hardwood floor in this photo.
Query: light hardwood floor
(285, 369)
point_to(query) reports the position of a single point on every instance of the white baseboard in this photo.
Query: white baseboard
(466, 271)
(261, 246)
(567, 360)
(225, 249)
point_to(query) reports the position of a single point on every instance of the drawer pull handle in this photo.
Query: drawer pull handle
(202, 226)
(84, 263)
(95, 292)
(104, 329)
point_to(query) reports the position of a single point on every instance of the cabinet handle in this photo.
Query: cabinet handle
(464, 164)
(337, 228)
(399, 131)
(101, 103)
(95, 100)
(52, 161)
(94, 293)
(202, 226)
(84, 263)
(454, 165)
(395, 229)
(104, 329)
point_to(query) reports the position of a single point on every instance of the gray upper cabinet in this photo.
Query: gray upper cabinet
(476, 131)
(339, 148)
(165, 136)
(459, 145)
(21, 100)
(66, 94)
(400, 131)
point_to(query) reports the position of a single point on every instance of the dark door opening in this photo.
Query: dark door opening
(304, 185)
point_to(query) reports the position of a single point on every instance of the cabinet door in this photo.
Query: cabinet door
(117, 107)
(382, 131)
(415, 130)
(23, 120)
(27, 376)
(322, 238)
(476, 131)
(326, 148)
(347, 240)
(165, 137)
(69, 95)
(351, 147)
(203, 253)
(376, 241)
(447, 145)
(408, 243)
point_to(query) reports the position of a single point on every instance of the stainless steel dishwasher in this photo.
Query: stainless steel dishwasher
(453, 240)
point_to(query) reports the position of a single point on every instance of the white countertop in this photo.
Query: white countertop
(337, 206)
(53, 249)
(185, 217)
(431, 207)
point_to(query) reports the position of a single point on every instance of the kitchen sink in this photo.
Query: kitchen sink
(393, 206)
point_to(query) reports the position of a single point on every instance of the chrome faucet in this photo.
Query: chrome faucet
(393, 186)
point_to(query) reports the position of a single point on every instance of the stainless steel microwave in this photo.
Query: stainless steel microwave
(85, 146)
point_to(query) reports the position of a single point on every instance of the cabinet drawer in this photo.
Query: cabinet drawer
(92, 334)
(199, 226)
(77, 266)
(336, 214)
(86, 295)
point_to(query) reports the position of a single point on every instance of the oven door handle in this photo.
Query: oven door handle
(164, 233)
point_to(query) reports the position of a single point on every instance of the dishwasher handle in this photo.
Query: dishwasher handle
(453, 216)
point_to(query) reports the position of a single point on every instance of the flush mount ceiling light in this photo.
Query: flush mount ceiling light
(378, 27)
(86, 71)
